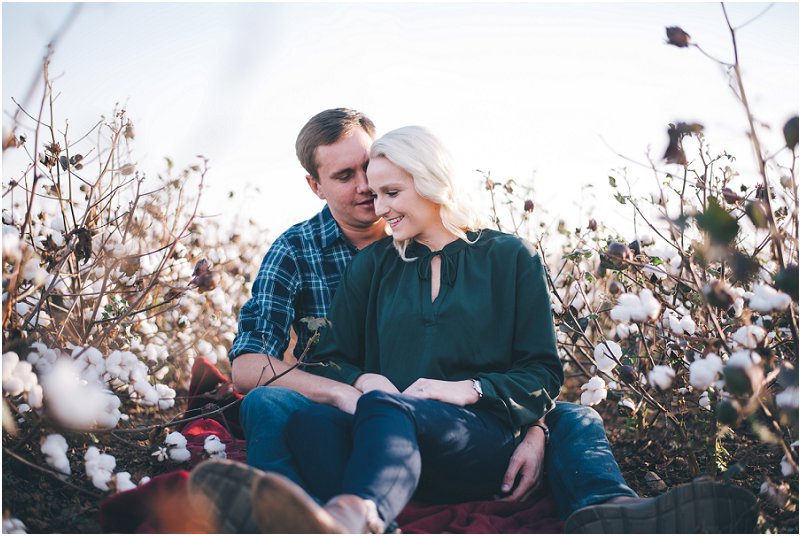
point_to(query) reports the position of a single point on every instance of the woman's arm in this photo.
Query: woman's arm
(529, 387)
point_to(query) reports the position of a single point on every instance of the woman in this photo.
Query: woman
(447, 329)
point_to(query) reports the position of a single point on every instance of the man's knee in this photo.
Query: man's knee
(574, 416)
(273, 403)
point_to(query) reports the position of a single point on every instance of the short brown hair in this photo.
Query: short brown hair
(325, 128)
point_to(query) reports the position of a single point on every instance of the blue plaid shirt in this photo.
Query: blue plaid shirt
(297, 278)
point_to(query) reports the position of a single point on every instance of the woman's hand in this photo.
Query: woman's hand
(457, 393)
(374, 382)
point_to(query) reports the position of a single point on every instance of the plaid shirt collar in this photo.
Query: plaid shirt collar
(329, 230)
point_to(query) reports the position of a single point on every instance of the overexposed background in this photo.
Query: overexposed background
(544, 93)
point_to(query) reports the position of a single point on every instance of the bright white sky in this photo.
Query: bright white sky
(527, 90)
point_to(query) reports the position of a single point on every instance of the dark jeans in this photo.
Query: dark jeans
(579, 464)
(396, 445)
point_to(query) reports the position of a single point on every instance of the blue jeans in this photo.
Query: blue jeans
(579, 465)
(397, 446)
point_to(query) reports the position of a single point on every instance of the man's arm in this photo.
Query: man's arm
(251, 370)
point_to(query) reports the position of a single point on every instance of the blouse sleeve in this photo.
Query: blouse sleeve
(530, 387)
(339, 354)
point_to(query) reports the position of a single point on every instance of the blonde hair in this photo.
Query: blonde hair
(423, 156)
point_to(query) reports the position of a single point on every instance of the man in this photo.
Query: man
(297, 279)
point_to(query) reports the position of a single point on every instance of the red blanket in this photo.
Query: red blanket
(161, 505)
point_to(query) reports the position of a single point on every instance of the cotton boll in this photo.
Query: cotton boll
(214, 447)
(175, 439)
(744, 359)
(749, 336)
(35, 396)
(179, 455)
(688, 324)
(12, 250)
(34, 273)
(99, 467)
(122, 481)
(658, 271)
(650, 306)
(166, 396)
(675, 325)
(556, 305)
(766, 299)
(144, 480)
(54, 447)
(12, 525)
(77, 403)
(661, 377)
(704, 402)
(593, 392)
(703, 372)
(788, 398)
(787, 467)
(10, 360)
(604, 354)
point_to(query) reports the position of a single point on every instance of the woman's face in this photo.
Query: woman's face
(410, 215)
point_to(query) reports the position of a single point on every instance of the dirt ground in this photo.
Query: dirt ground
(46, 504)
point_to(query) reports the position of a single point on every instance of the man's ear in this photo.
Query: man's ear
(314, 184)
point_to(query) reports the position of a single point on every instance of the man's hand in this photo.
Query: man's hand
(457, 393)
(526, 464)
(374, 382)
(344, 397)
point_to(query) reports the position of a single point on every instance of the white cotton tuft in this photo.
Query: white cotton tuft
(12, 525)
(78, 403)
(166, 396)
(122, 481)
(766, 299)
(99, 467)
(637, 308)
(704, 402)
(704, 372)
(180, 455)
(604, 354)
(688, 324)
(744, 359)
(175, 439)
(749, 336)
(788, 398)
(593, 392)
(661, 377)
(54, 447)
(214, 447)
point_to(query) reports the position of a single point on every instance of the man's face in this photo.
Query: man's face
(341, 168)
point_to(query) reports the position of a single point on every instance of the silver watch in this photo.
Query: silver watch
(477, 387)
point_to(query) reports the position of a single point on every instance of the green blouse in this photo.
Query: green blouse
(491, 320)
